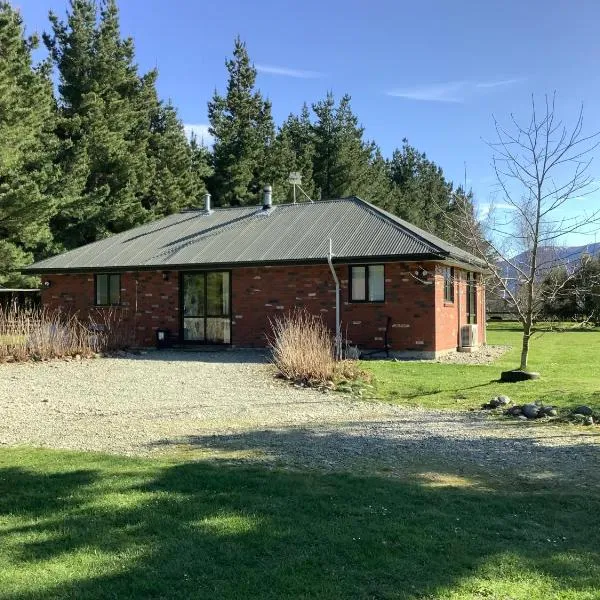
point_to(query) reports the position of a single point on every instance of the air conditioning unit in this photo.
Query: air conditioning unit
(468, 336)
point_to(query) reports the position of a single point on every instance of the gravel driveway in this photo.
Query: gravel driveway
(226, 405)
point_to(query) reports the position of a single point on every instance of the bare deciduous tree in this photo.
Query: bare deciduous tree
(541, 168)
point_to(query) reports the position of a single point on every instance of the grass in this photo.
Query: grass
(84, 526)
(569, 363)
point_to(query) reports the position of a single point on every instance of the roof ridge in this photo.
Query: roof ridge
(259, 206)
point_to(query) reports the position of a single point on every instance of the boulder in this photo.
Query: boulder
(514, 411)
(499, 401)
(583, 410)
(531, 411)
(547, 411)
(589, 421)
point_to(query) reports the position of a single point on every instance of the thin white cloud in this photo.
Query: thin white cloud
(500, 83)
(451, 91)
(486, 208)
(287, 72)
(200, 130)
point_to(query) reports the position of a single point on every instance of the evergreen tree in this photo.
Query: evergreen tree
(344, 163)
(27, 149)
(242, 126)
(423, 194)
(106, 109)
(175, 181)
(201, 169)
(294, 150)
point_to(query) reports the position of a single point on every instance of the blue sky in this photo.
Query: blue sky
(431, 71)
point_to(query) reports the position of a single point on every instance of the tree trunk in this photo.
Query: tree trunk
(525, 346)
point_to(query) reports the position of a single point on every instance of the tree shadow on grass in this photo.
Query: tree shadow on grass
(145, 529)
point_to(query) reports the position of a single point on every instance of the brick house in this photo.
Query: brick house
(219, 276)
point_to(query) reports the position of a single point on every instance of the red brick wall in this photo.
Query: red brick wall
(151, 303)
(449, 316)
(261, 293)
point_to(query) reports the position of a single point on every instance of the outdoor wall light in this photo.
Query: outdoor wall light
(165, 275)
(47, 284)
(420, 273)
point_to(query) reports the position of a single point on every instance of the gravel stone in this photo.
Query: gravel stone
(229, 406)
(481, 356)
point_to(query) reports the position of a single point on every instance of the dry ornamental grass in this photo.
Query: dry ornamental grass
(43, 334)
(303, 350)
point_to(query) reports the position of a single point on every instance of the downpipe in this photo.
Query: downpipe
(338, 339)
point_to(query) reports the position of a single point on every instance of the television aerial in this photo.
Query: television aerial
(295, 180)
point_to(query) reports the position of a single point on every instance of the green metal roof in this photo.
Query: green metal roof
(250, 235)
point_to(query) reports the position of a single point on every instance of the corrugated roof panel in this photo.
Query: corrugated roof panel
(290, 232)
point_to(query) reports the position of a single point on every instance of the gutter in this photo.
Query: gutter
(33, 270)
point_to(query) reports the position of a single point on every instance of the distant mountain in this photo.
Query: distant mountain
(548, 257)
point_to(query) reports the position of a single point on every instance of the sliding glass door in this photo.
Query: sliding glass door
(206, 307)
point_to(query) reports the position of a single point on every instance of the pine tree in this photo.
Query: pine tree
(27, 147)
(175, 179)
(344, 162)
(424, 196)
(106, 109)
(242, 126)
(201, 169)
(293, 151)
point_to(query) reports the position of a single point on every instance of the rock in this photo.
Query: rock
(522, 417)
(589, 421)
(531, 411)
(498, 401)
(514, 411)
(547, 411)
(578, 419)
(583, 410)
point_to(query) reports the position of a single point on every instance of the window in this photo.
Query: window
(448, 284)
(471, 298)
(108, 289)
(367, 283)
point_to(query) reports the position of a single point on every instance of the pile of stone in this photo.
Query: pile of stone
(582, 415)
(531, 410)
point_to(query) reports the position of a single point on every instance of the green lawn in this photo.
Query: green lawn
(569, 363)
(80, 526)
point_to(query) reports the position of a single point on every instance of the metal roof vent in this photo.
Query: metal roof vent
(267, 197)
(207, 208)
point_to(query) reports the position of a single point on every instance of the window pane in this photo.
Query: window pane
(193, 329)
(376, 283)
(217, 293)
(101, 289)
(448, 284)
(115, 289)
(193, 295)
(218, 330)
(358, 283)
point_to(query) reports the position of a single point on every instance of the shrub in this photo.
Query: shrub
(41, 334)
(304, 351)
(302, 347)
